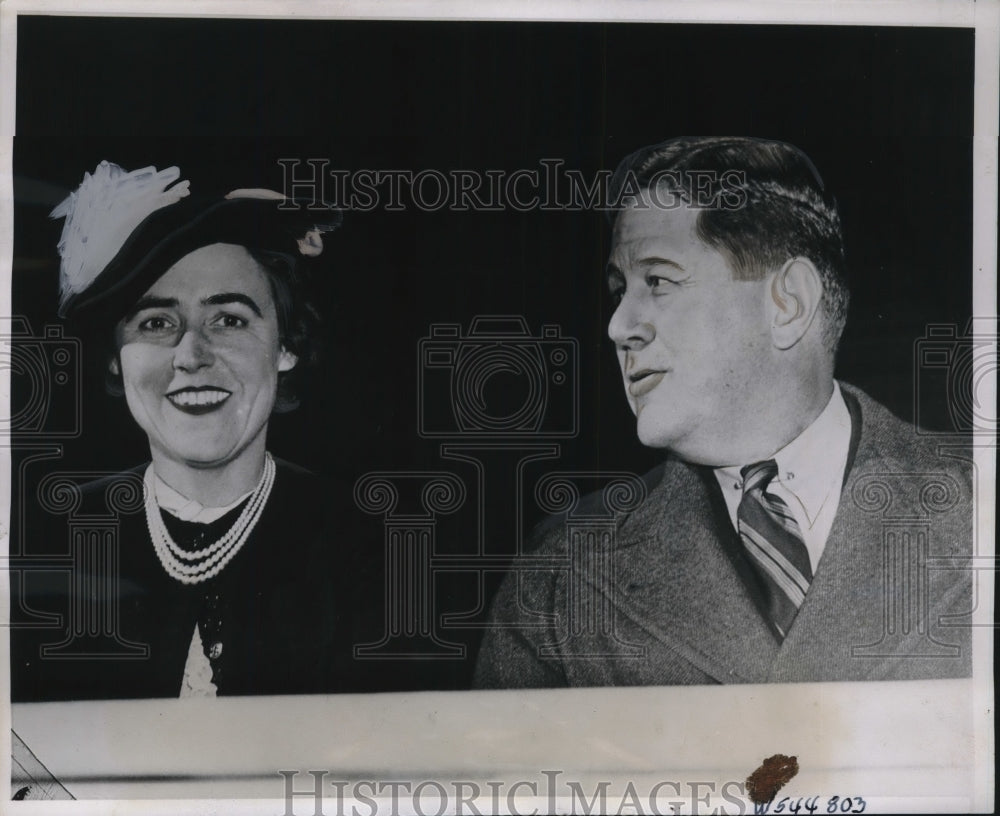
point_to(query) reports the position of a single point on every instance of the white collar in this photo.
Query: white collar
(188, 509)
(810, 467)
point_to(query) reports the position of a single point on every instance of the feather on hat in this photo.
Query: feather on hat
(124, 229)
(102, 213)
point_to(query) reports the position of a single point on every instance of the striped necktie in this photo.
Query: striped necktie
(774, 542)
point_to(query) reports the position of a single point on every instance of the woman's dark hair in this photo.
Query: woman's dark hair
(298, 321)
(298, 327)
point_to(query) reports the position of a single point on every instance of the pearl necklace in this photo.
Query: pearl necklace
(207, 562)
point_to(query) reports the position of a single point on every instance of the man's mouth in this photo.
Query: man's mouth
(199, 400)
(644, 380)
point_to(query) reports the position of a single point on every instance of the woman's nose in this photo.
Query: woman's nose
(193, 351)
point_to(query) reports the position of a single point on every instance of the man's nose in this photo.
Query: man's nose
(193, 351)
(627, 328)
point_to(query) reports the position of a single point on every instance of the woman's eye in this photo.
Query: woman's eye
(155, 324)
(230, 321)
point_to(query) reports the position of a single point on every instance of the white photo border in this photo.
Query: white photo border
(497, 735)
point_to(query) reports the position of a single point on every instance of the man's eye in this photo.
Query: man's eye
(227, 320)
(658, 283)
(617, 293)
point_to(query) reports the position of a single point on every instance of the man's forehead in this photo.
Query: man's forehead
(645, 222)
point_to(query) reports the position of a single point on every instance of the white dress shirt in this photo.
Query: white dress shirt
(810, 475)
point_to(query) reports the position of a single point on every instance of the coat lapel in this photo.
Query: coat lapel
(678, 588)
(840, 632)
(676, 583)
(844, 603)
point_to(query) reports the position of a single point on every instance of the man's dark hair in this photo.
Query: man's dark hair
(298, 326)
(760, 202)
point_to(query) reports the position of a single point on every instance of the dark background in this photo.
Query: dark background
(885, 114)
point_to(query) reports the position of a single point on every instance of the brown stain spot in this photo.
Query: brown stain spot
(764, 783)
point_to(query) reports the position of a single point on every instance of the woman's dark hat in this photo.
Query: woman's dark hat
(124, 230)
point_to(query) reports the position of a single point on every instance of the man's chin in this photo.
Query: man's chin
(653, 434)
(688, 445)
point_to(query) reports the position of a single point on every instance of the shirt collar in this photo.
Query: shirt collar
(806, 468)
(188, 509)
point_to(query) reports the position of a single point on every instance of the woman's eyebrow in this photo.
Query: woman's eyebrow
(150, 302)
(233, 297)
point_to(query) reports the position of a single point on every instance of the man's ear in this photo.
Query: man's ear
(113, 367)
(286, 360)
(796, 292)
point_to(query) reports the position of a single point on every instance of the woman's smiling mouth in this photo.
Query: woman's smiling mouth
(198, 400)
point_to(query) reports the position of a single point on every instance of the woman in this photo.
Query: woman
(227, 578)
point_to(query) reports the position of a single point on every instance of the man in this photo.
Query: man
(775, 537)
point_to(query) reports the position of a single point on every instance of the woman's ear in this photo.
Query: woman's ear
(287, 360)
(113, 383)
